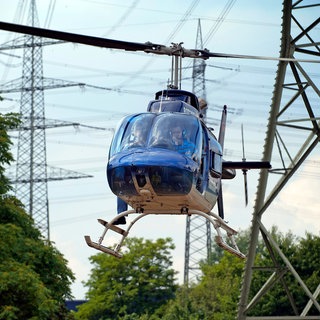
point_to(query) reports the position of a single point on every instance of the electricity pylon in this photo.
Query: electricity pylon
(294, 115)
(198, 232)
(32, 172)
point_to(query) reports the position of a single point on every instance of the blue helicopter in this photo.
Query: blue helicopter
(165, 160)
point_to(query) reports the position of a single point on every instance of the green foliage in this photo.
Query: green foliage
(9, 121)
(214, 297)
(117, 287)
(303, 254)
(137, 285)
(34, 278)
(22, 286)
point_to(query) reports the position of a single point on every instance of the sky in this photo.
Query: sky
(120, 83)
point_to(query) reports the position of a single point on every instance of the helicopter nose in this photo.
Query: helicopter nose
(160, 180)
(160, 172)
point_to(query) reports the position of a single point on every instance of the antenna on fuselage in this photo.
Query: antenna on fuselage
(222, 130)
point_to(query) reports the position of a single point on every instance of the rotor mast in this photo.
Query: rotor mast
(176, 66)
(175, 74)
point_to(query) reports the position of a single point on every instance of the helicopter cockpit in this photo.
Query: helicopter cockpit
(170, 131)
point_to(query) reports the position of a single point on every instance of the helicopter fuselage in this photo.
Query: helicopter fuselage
(152, 170)
(167, 161)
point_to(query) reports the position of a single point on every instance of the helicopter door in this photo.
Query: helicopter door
(203, 173)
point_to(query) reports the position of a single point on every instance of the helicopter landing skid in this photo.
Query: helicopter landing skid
(219, 224)
(214, 219)
(102, 248)
(98, 245)
(110, 226)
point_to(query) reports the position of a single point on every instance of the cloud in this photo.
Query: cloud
(297, 206)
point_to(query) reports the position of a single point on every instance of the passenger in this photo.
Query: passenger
(181, 143)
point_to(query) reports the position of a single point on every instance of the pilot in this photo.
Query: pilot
(180, 142)
(138, 136)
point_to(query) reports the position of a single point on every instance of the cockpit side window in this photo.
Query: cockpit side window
(132, 132)
(136, 133)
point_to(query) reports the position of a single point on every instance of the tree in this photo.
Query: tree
(304, 256)
(34, 277)
(217, 294)
(9, 121)
(138, 284)
(214, 297)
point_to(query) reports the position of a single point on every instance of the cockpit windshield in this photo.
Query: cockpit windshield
(173, 131)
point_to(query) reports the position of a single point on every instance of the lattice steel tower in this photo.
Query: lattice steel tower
(32, 172)
(198, 232)
(294, 114)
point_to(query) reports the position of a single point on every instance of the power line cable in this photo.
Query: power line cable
(219, 21)
(18, 18)
(179, 25)
(50, 12)
(122, 18)
(218, 24)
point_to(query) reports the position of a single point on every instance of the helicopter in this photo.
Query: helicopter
(154, 174)
(147, 168)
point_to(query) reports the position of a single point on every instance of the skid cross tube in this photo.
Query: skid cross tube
(218, 223)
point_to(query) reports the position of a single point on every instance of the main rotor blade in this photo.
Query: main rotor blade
(209, 54)
(76, 38)
(148, 47)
